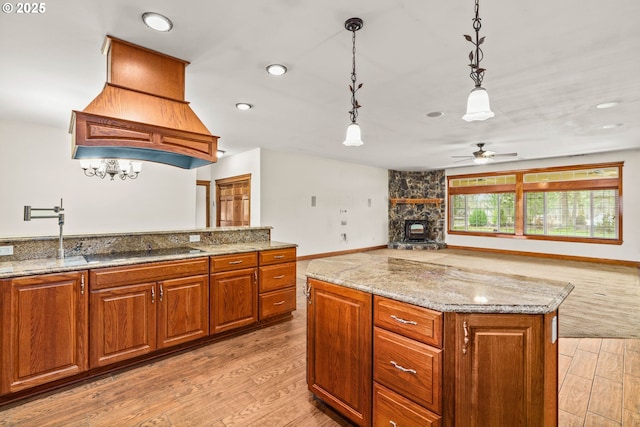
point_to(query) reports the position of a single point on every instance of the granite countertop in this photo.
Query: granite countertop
(440, 287)
(10, 269)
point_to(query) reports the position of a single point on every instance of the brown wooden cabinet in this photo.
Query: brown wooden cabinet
(339, 327)
(503, 368)
(277, 278)
(234, 292)
(137, 309)
(44, 329)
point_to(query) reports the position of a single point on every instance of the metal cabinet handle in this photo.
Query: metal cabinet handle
(393, 423)
(279, 277)
(466, 337)
(278, 256)
(235, 262)
(404, 322)
(161, 292)
(82, 284)
(395, 365)
(279, 302)
(153, 294)
(307, 293)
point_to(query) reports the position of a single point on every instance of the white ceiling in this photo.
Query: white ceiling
(549, 62)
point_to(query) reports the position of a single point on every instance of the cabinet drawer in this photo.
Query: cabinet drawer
(233, 262)
(391, 409)
(277, 276)
(108, 277)
(277, 302)
(276, 256)
(408, 367)
(409, 320)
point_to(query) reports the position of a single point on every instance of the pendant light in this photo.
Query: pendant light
(478, 107)
(354, 136)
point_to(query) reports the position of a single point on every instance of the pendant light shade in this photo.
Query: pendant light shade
(478, 107)
(354, 137)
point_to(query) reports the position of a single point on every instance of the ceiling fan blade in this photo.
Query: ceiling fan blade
(460, 157)
(506, 154)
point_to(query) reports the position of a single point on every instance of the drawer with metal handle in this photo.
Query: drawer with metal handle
(277, 276)
(277, 302)
(409, 320)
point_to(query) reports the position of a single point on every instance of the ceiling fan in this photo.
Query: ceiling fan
(484, 156)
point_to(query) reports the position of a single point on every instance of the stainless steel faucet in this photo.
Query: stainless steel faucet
(60, 216)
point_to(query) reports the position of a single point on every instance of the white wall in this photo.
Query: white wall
(628, 251)
(342, 191)
(37, 170)
(240, 164)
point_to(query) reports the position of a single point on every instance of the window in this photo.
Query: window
(580, 203)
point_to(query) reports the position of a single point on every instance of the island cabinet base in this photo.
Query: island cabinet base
(381, 362)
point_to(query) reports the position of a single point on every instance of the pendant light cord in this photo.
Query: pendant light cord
(353, 88)
(477, 73)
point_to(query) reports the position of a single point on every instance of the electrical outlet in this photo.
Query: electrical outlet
(6, 250)
(194, 238)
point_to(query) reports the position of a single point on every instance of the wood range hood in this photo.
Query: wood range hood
(141, 113)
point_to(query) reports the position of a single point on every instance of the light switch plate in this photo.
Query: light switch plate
(194, 238)
(6, 250)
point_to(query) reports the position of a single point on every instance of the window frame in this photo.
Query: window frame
(520, 188)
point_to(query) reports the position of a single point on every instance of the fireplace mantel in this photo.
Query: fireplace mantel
(416, 201)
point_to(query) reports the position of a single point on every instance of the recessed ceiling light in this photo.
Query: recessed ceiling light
(607, 104)
(156, 21)
(276, 69)
(243, 106)
(435, 114)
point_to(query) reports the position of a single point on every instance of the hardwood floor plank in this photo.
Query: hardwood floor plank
(613, 345)
(590, 344)
(565, 419)
(606, 399)
(632, 363)
(632, 393)
(564, 362)
(568, 346)
(630, 419)
(632, 344)
(595, 420)
(584, 364)
(610, 366)
(574, 395)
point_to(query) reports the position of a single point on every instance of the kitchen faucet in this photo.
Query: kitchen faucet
(60, 216)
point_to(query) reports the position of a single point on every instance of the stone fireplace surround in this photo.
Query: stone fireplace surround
(417, 185)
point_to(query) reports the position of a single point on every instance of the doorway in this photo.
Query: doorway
(203, 204)
(233, 197)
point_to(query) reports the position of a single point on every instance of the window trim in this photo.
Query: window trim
(520, 187)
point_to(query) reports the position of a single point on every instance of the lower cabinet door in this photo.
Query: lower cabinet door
(44, 334)
(234, 300)
(391, 409)
(123, 323)
(183, 310)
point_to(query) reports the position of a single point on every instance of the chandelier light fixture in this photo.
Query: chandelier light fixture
(478, 107)
(112, 167)
(354, 136)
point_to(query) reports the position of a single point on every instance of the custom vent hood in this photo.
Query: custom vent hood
(141, 113)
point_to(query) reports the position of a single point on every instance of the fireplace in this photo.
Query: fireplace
(415, 230)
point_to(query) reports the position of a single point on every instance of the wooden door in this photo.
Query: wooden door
(123, 323)
(233, 201)
(339, 349)
(183, 310)
(499, 358)
(234, 299)
(44, 329)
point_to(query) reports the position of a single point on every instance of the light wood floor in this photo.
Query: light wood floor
(259, 379)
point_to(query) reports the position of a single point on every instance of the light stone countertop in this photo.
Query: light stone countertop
(30, 267)
(440, 287)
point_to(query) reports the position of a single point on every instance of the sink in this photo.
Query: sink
(127, 255)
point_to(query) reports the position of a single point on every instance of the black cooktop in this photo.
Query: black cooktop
(117, 256)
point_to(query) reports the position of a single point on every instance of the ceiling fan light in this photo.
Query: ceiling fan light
(478, 107)
(354, 136)
(482, 160)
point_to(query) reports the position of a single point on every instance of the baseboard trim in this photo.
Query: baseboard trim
(349, 251)
(552, 256)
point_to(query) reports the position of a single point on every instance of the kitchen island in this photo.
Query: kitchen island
(393, 341)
